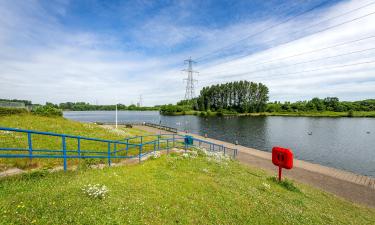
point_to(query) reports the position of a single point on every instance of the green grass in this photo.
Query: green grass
(62, 126)
(172, 190)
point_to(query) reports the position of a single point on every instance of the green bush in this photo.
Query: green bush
(202, 113)
(350, 113)
(220, 112)
(11, 111)
(48, 110)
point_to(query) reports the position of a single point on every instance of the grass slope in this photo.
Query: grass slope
(56, 125)
(171, 190)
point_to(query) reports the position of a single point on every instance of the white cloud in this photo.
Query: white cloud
(283, 77)
(43, 60)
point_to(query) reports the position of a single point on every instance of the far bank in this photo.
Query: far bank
(296, 114)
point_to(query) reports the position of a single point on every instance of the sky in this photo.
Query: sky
(107, 52)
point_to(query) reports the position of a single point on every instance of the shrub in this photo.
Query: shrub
(11, 111)
(220, 112)
(47, 111)
(350, 113)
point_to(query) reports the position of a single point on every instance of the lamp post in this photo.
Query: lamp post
(116, 115)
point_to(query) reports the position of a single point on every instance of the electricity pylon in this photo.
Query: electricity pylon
(190, 87)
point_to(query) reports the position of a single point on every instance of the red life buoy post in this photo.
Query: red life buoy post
(283, 158)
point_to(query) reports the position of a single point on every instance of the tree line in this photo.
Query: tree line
(239, 96)
(83, 106)
(317, 104)
(248, 97)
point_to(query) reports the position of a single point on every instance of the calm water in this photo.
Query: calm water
(337, 142)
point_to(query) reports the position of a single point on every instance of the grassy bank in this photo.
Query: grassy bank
(56, 125)
(172, 190)
(297, 114)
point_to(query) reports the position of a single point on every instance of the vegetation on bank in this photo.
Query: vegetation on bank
(295, 114)
(46, 110)
(83, 106)
(171, 190)
(74, 106)
(248, 98)
(239, 96)
(58, 125)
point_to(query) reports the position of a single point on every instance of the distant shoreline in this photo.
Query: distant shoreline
(110, 110)
(369, 114)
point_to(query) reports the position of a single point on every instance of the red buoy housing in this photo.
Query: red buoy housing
(283, 158)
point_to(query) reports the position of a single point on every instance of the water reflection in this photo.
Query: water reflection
(343, 143)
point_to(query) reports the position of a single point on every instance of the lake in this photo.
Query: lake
(343, 143)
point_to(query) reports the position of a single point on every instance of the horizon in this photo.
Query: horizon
(110, 51)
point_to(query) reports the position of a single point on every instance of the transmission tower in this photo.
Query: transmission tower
(140, 101)
(190, 90)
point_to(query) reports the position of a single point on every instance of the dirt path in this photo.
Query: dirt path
(353, 187)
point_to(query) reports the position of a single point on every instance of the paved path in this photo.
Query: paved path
(353, 187)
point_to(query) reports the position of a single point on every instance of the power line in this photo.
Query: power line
(296, 39)
(308, 71)
(268, 28)
(313, 60)
(315, 50)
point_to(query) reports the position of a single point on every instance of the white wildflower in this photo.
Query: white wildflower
(95, 191)
(266, 186)
(155, 155)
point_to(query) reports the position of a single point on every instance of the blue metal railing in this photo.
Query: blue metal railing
(115, 149)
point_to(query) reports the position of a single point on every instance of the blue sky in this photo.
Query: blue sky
(114, 51)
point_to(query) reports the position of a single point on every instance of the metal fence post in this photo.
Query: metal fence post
(158, 142)
(173, 140)
(64, 153)
(30, 142)
(140, 153)
(224, 150)
(79, 146)
(109, 153)
(167, 146)
(154, 147)
(127, 146)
